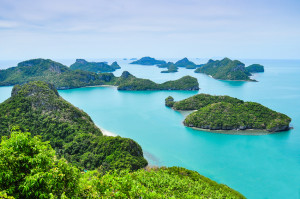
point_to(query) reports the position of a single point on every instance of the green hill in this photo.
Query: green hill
(38, 108)
(130, 82)
(225, 69)
(171, 68)
(255, 68)
(228, 113)
(30, 169)
(148, 61)
(97, 67)
(186, 63)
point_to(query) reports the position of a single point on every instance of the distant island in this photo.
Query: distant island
(171, 68)
(148, 61)
(97, 67)
(129, 82)
(227, 69)
(228, 113)
(63, 77)
(186, 64)
(255, 68)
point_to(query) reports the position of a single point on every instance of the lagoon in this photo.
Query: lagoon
(265, 166)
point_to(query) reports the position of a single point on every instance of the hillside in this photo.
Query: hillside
(96, 67)
(37, 107)
(225, 69)
(148, 61)
(227, 113)
(129, 82)
(30, 169)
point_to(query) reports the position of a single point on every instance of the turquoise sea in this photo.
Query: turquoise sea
(265, 166)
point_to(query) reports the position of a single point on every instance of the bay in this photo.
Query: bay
(266, 166)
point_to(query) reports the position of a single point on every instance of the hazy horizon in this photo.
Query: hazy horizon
(93, 29)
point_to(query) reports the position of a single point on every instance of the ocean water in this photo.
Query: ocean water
(265, 166)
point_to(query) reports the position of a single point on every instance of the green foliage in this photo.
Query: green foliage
(174, 182)
(148, 61)
(169, 101)
(228, 113)
(225, 69)
(37, 107)
(97, 67)
(29, 169)
(130, 82)
(255, 68)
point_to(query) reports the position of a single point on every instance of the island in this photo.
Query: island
(255, 68)
(62, 77)
(225, 69)
(129, 82)
(97, 67)
(228, 113)
(51, 149)
(186, 64)
(171, 68)
(148, 61)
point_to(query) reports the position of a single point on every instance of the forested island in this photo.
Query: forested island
(49, 162)
(148, 61)
(255, 68)
(171, 68)
(97, 67)
(129, 82)
(228, 113)
(227, 69)
(186, 63)
(62, 77)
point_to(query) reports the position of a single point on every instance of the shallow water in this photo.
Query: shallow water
(265, 166)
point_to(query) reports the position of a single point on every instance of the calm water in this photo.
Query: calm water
(266, 166)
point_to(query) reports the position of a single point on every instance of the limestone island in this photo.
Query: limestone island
(129, 82)
(51, 149)
(186, 63)
(228, 113)
(171, 68)
(97, 67)
(62, 77)
(255, 68)
(227, 69)
(148, 61)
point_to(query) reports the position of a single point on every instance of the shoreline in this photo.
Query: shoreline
(106, 132)
(237, 132)
(99, 86)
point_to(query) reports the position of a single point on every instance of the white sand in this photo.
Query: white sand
(106, 132)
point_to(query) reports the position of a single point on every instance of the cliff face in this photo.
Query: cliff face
(38, 108)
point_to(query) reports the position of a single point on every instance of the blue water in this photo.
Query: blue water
(266, 166)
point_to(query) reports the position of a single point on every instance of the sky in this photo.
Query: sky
(67, 29)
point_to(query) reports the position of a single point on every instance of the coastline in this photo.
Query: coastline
(101, 86)
(106, 132)
(237, 132)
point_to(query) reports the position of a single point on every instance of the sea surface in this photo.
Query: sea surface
(264, 166)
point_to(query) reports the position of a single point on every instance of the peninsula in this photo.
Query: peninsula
(97, 67)
(37, 107)
(226, 69)
(228, 113)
